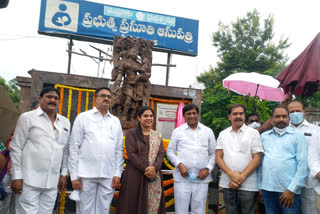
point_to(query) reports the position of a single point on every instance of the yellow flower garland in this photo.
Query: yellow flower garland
(87, 100)
(166, 162)
(69, 104)
(170, 203)
(62, 201)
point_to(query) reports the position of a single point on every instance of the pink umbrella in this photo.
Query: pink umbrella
(179, 116)
(253, 84)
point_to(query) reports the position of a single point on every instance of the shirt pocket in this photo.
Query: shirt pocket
(244, 146)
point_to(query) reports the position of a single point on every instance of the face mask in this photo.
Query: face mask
(193, 175)
(254, 125)
(280, 131)
(296, 117)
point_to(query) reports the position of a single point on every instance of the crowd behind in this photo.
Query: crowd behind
(272, 167)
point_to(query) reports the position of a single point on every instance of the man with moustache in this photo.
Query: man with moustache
(96, 155)
(39, 155)
(284, 166)
(192, 151)
(238, 154)
(312, 134)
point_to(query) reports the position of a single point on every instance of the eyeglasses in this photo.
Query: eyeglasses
(104, 96)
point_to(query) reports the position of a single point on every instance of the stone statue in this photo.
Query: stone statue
(132, 60)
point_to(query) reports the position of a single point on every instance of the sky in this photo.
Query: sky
(23, 49)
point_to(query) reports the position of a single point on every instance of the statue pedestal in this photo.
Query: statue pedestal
(128, 125)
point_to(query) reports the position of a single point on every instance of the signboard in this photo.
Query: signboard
(166, 117)
(96, 22)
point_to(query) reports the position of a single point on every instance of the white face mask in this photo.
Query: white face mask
(254, 125)
(280, 131)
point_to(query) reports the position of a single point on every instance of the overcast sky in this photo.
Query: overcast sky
(22, 48)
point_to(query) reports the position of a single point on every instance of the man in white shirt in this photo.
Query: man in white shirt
(238, 154)
(312, 133)
(192, 152)
(96, 155)
(39, 155)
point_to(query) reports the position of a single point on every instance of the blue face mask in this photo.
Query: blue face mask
(296, 118)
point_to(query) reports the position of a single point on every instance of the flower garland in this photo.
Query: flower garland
(165, 144)
(61, 100)
(166, 162)
(62, 87)
(87, 101)
(170, 203)
(69, 104)
(124, 149)
(167, 182)
(79, 102)
(93, 100)
(62, 202)
(116, 195)
(169, 191)
(73, 88)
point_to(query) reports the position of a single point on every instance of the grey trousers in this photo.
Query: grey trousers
(240, 201)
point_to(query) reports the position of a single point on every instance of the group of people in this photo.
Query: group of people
(279, 161)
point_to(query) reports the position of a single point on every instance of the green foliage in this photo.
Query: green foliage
(313, 101)
(243, 46)
(254, 105)
(12, 89)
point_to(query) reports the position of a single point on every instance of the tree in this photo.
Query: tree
(12, 89)
(243, 46)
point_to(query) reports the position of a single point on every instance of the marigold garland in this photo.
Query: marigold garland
(62, 201)
(116, 195)
(170, 203)
(165, 144)
(73, 88)
(79, 102)
(168, 191)
(166, 162)
(61, 100)
(168, 182)
(69, 104)
(87, 100)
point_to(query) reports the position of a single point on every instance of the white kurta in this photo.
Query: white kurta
(96, 156)
(96, 146)
(196, 150)
(39, 154)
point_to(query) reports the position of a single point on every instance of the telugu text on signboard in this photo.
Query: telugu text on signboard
(89, 19)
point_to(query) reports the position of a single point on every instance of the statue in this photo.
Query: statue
(132, 60)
